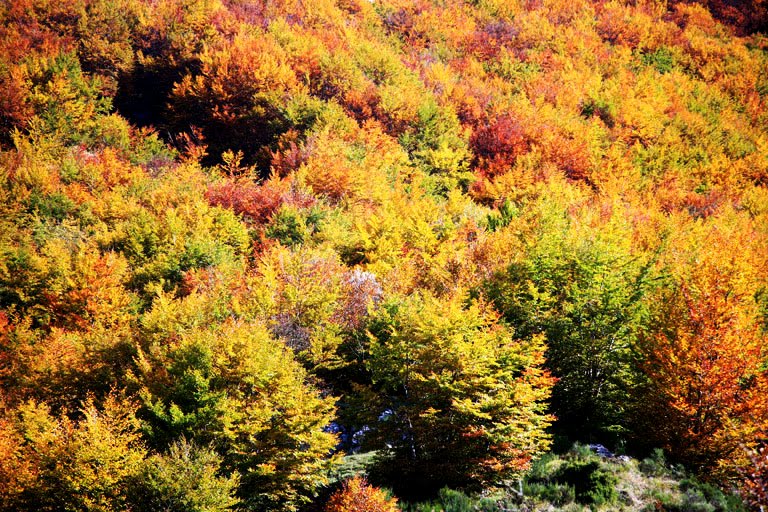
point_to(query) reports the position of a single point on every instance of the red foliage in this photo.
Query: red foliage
(486, 43)
(745, 16)
(497, 146)
(363, 103)
(615, 25)
(403, 21)
(15, 111)
(256, 203)
(704, 205)
(290, 153)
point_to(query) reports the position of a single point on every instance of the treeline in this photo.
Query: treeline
(239, 239)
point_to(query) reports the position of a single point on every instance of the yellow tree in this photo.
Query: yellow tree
(235, 386)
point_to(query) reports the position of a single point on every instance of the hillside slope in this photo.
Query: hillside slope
(240, 239)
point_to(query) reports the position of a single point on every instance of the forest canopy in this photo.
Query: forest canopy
(243, 242)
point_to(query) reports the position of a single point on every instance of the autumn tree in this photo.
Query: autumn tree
(707, 386)
(498, 144)
(356, 495)
(235, 386)
(461, 400)
(79, 465)
(238, 96)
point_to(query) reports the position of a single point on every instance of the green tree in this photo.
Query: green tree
(235, 386)
(584, 291)
(462, 402)
(184, 479)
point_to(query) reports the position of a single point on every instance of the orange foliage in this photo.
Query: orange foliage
(705, 364)
(356, 495)
(16, 471)
(363, 115)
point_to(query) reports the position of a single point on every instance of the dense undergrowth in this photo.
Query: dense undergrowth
(580, 480)
(243, 239)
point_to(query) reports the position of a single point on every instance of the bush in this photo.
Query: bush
(554, 493)
(655, 465)
(591, 484)
(357, 496)
(184, 479)
(449, 500)
(578, 476)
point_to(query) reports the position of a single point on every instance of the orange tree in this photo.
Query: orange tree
(708, 386)
(356, 495)
(704, 352)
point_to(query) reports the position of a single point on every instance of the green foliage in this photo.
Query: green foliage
(290, 226)
(64, 99)
(585, 294)
(185, 478)
(236, 387)
(464, 401)
(579, 476)
(56, 206)
(695, 496)
(449, 500)
(590, 483)
(507, 212)
(654, 465)
(352, 465)
(437, 145)
(663, 60)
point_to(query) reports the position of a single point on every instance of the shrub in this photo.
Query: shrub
(655, 465)
(449, 500)
(356, 495)
(590, 482)
(556, 494)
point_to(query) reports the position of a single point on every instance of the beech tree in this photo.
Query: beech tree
(236, 387)
(462, 402)
(585, 292)
(707, 388)
(72, 465)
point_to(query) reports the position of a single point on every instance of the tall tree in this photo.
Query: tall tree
(707, 383)
(462, 401)
(584, 291)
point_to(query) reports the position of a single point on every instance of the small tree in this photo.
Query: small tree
(356, 495)
(185, 478)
